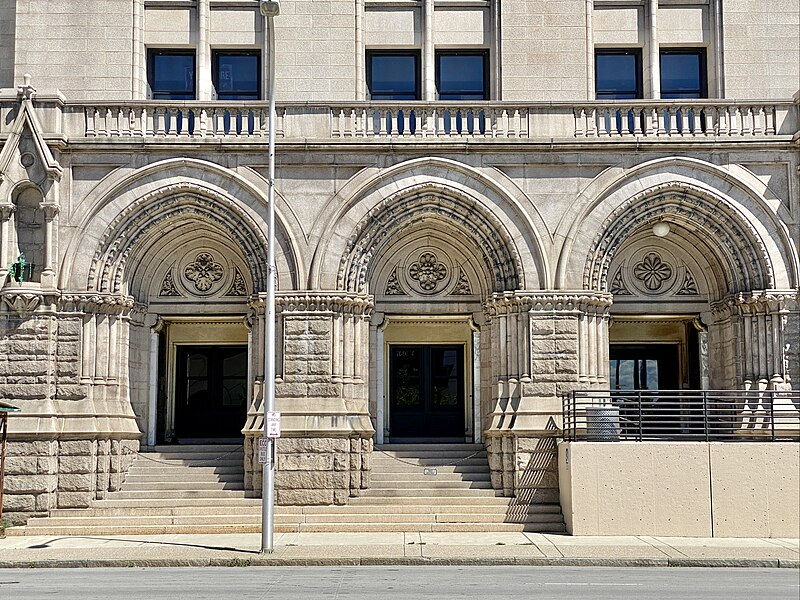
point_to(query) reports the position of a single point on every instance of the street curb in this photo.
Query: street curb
(266, 561)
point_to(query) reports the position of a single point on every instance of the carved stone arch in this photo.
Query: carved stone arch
(430, 202)
(153, 212)
(222, 196)
(738, 249)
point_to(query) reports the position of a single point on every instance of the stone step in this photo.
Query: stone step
(431, 483)
(159, 502)
(287, 528)
(443, 456)
(472, 466)
(427, 448)
(176, 494)
(161, 485)
(395, 492)
(171, 470)
(199, 457)
(481, 498)
(423, 479)
(255, 509)
(183, 476)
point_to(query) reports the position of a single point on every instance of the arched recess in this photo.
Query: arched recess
(491, 211)
(122, 213)
(441, 211)
(715, 204)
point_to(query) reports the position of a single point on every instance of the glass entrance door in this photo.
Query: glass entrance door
(211, 391)
(426, 391)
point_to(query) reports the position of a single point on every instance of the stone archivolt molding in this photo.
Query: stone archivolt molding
(331, 302)
(563, 302)
(179, 200)
(407, 209)
(745, 253)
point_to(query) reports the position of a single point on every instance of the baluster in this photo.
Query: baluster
(695, 128)
(160, 121)
(280, 126)
(525, 123)
(769, 120)
(406, 119)
(650, 117)
(637, 120)
(201, 123)
(173, 121)
(440, 130)
(759, 120)
(733, 125)
(723, 120)
(684, 125)
(104, 118)
(129, 119)
(364, 129)
(257, 124)
(747, 120)
(490, 123)
(91, 121)
(383, 115)
(711, 121)
(601, 121)
(422, 115)
(591, 122)
(579, 114)
(141, 131)
(353, 129)
(337, 124)
(660, 124)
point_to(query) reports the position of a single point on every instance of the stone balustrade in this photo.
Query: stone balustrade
(412, 121)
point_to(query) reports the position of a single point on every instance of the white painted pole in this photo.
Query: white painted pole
(268, 473)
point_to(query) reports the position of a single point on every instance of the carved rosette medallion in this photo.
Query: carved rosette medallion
(204, 272)
(652, 271)
(427, 271)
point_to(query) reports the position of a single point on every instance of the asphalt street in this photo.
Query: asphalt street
(369, 583)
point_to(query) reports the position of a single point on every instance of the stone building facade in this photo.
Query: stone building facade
(447, 268)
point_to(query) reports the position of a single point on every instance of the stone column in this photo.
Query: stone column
(6, 210)
(322, 395)
(542, 345)
(49, 275)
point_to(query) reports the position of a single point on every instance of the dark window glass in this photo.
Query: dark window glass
(237, 75)
(461, 76)
(683, 74)
(393, 76)
(618, 74)
(171, 75)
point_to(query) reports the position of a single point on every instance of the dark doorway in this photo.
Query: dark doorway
(644, 367)
(211, 391)
(426, 392)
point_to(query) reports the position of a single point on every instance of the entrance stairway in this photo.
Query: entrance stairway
(199, 489)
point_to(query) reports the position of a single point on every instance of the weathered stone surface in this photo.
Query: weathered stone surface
(75, 464)
(19, 502)
(76, 447)
(304, 497)
(74, 499)
(30, 484)
(293, 480)
(76, 482)
(305, 462)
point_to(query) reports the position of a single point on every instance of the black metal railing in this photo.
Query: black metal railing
(686, 415)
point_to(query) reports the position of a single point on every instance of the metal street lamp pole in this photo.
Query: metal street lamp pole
(270, 9)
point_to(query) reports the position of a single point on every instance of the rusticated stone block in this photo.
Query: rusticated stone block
(291, 390)
(75, 482)
(76, 447)
(340, 497)
(45, 502)
(30, 484)
(74, 499)
(341, 462)
(304, 445)
(19, 503)
(294, 480)
(75, 464)
(305, 462)
(22, 465)
(323, 390)
(304, 497)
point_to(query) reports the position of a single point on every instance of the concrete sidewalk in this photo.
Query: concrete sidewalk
(396, 548)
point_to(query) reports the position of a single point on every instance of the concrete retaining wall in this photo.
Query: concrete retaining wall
(681, 489)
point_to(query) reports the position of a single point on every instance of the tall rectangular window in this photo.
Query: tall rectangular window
(683, 73)
(462, 75)
(618, 74)
(171, 74)
(237, 75)
(393, 75)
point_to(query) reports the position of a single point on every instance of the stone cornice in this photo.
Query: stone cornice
(98, 303)
(759, 302)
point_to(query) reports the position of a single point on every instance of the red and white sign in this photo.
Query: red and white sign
(273, 424)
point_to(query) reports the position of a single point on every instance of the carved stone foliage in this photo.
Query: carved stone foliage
(168, 286)
(238, 286)
(430, 203)
(652, 271)
(711, 219)
(645, 270)
(393, 287)
(463, 288)
(427, 271)
(204, 272)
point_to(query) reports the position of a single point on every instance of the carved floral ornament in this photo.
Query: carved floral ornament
(427, 271)
(652, 271)
(204, 271)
